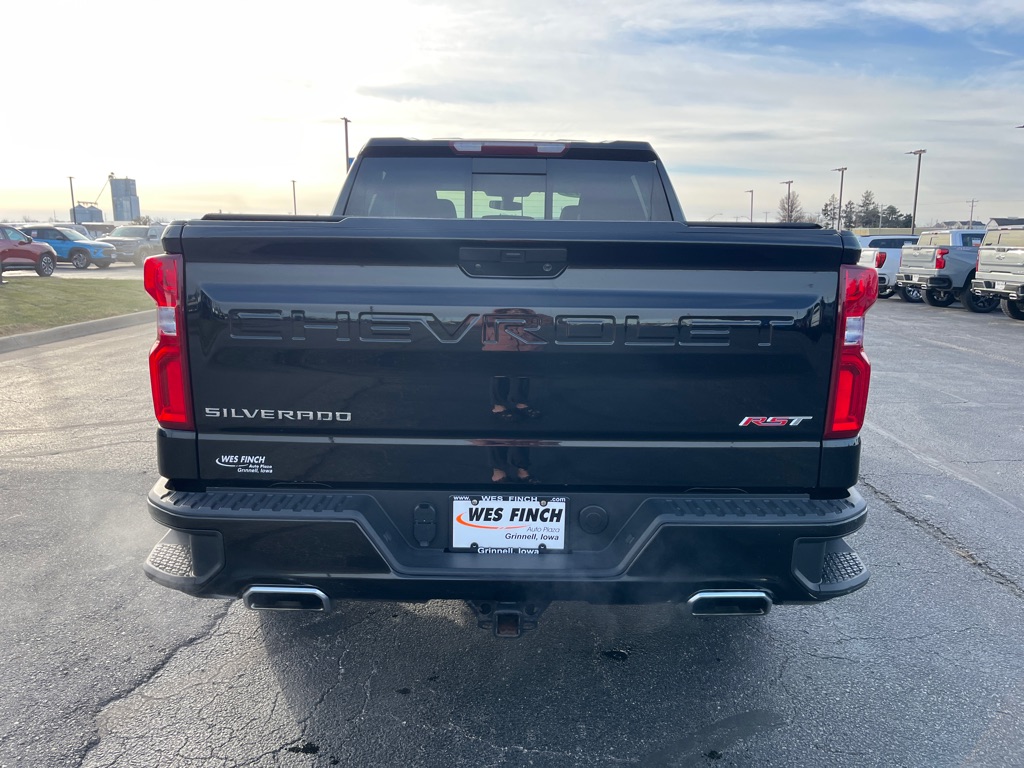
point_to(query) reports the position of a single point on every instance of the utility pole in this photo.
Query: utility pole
(348, 160)
(789, 199)
(917, 184)
(751, 193)
(766, 215)
(295, 207)
(970, 221)
(74, 213)
(839, 208)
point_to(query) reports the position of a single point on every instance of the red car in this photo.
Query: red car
(17, 251)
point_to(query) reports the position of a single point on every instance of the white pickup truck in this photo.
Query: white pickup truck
(883, 252)
(1001, 269)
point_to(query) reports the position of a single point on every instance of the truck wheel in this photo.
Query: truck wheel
(79, 259)
(909, 293)
(936, 298)
(102, 264)
(972, 302)
(45, 266)
(1013, 308)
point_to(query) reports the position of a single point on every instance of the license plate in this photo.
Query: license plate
(1000, 286)
(508, 524)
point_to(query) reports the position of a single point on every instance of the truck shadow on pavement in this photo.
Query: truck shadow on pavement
(419, 684)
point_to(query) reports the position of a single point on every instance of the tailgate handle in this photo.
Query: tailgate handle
(513, 262)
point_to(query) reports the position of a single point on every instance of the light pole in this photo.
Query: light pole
(917, 183)
(74, 213)
(789, 199)
(348, 160)
(751, 193)
(295, 207)
(839, 208)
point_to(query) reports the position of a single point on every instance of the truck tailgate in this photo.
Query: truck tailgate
(917, 257)
(1002, 260)
(662, 357)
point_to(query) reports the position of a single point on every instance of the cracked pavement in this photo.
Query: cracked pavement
(922, 667)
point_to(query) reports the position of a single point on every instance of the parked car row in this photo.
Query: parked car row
(983, 269)
(23, 246)
(71, 247)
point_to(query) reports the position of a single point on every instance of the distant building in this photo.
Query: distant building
(960, 225)
(1007, 221)
(82, 213)
(126, 199)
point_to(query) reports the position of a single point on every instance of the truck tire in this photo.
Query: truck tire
(79, 259)
(972, 302)
(1013, 308)
(936, 298)
(909, 294)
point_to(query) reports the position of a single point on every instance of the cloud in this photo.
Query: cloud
(731, 94)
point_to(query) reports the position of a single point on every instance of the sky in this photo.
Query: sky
(220, 105)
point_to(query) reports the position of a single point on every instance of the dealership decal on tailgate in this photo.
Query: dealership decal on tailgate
(508, 525)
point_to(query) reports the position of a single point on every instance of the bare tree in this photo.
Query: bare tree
(790, 208)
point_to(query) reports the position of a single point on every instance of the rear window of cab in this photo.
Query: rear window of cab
(506, 188)
(1010, 237)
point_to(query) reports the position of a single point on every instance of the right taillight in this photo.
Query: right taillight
(879, 259)
(851, 371)
(940, 257)
(168, 362)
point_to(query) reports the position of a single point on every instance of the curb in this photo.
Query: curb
(74, 331)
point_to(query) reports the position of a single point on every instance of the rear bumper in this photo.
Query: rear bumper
(925, 279)
(1005, 289)
(393, 545)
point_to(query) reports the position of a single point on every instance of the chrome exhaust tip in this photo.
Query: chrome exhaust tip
(729, 602)
(286, 599)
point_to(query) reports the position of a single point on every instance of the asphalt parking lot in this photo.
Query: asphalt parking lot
(923, 667)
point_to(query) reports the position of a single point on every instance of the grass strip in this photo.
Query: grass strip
(31, 303)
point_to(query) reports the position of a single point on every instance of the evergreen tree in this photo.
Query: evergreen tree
(867, 210)
(849, 215)
(829, 211)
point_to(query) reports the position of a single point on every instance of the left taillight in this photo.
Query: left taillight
(880, 259)
(168, 361)
(851, 371)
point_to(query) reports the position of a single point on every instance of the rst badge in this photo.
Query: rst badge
(773, 421)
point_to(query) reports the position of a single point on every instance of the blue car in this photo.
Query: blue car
(71, 246)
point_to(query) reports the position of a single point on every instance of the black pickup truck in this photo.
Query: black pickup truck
(508, 373)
